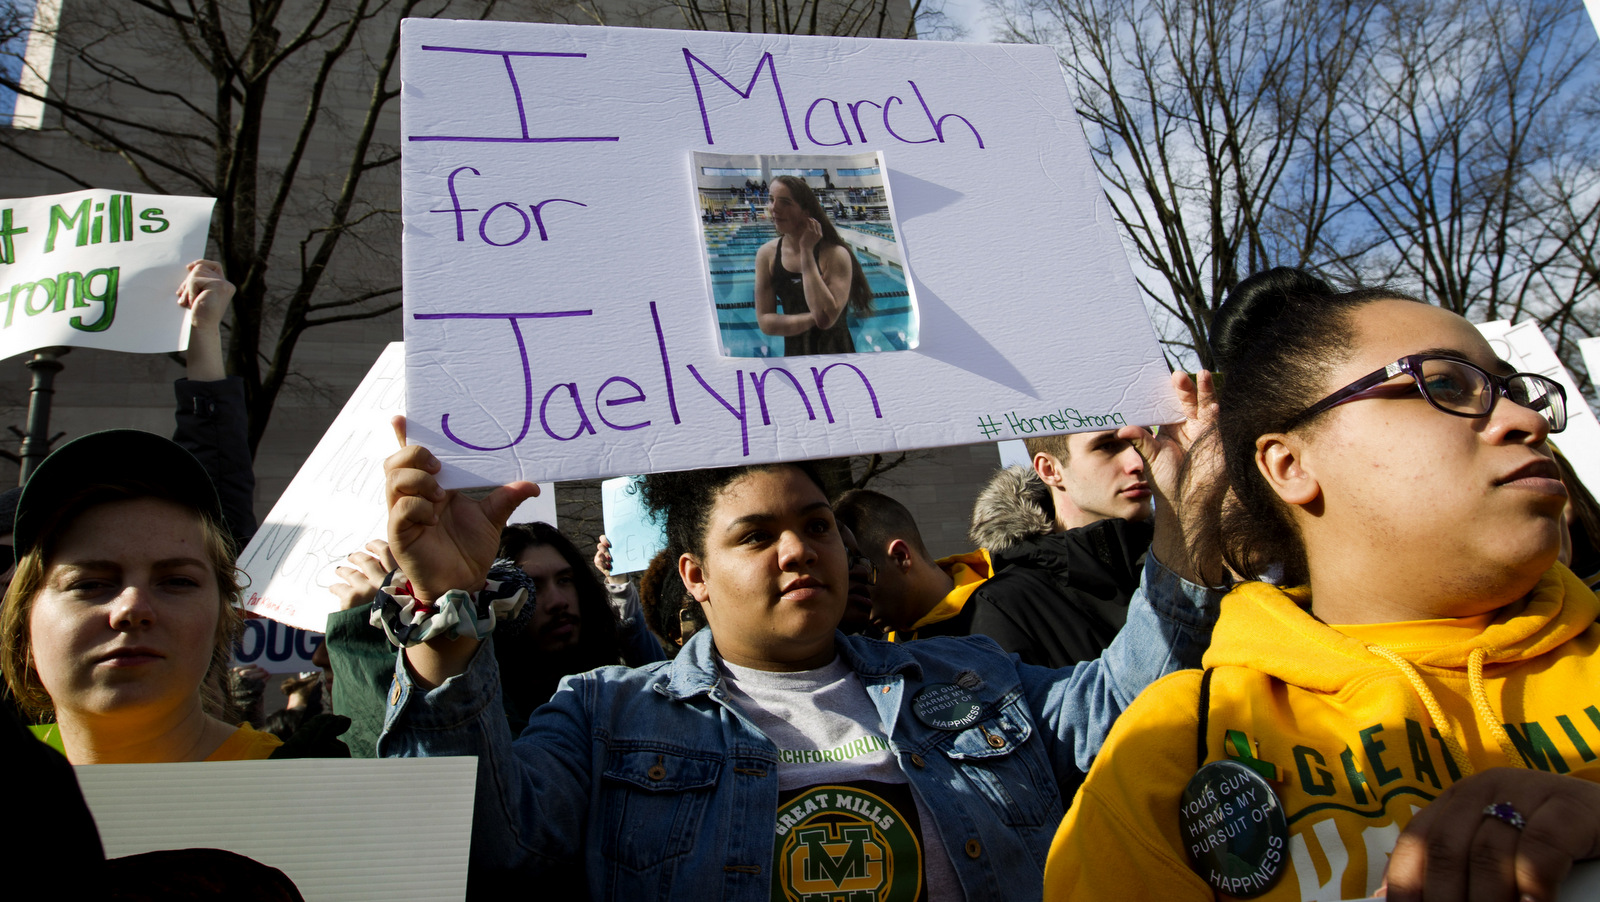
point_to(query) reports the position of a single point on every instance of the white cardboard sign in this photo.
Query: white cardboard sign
(557, 313)
(1590, 349)
(335, 505)
(1014, 453)
(97, 269)
(341, 829)
(1524, 346)
(276, 647)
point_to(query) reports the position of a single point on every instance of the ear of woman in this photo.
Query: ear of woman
(1280, 458)
(693, 576)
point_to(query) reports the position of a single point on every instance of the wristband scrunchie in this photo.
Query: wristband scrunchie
(506, 595)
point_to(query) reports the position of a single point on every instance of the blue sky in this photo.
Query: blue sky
(11, 64)
(969, 13)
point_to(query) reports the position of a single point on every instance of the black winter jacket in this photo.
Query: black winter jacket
(1056, 598)
(212, 424)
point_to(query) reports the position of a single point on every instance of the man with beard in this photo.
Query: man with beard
(566, 626)
(571, 628)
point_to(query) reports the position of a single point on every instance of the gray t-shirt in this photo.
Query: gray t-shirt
(848, 821)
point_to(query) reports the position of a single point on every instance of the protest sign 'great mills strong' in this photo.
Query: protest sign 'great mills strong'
(97, 269)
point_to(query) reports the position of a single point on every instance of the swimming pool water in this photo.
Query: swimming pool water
(890, 327)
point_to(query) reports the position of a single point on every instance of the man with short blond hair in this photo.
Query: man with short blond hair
(1066, 540)
(1092, 476)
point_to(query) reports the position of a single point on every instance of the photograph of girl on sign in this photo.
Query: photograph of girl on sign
(802, 288)
(803, 249)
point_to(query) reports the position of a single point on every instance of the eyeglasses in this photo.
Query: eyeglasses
(857, 560)
(1458, 388)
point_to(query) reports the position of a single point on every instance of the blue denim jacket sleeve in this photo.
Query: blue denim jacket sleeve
(1168, 629)
(532, 798)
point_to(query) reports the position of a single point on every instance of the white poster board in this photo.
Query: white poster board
(1014, 454)
(1524, 346)
(97, 269)
(557, 317)
(335, 505)
(386, 830)
(1590, 349)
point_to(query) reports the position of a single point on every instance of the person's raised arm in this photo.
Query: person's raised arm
(639, 645)
(827, 286)
(770, 321)
(602, 562)
(212, 421)
(207, 293)
(443, 541)
(1170, 616)
(360, 658)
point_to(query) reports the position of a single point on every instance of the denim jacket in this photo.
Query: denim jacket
(649, 784)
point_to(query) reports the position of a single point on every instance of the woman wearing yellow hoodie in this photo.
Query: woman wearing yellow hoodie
(1421, 712)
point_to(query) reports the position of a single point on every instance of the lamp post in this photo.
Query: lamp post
(44, 365)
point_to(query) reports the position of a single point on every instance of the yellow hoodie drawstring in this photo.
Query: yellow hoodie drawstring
(1447, 729)
(1486, 713)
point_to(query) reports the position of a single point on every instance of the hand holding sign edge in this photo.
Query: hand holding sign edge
(1176, 475)
(1452, 849)
(442, 540)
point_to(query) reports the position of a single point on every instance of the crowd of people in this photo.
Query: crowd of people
(754, 198)
(1330, 636)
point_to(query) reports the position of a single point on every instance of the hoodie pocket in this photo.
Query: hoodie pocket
(652, 801)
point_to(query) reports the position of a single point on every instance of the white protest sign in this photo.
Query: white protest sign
(97, 269)
(559, 322)
(635, 536)
(276, 647)
(1014, 454)
(335, 505)
(1524, 346)
(339, 828)
(1590, 349)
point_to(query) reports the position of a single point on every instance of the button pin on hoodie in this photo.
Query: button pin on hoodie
(1234, 829)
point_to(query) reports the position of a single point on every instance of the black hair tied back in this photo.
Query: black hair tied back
(1254, 307)
(1274, 341)
(682, 501)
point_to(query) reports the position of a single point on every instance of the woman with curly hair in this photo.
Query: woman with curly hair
(774, 756)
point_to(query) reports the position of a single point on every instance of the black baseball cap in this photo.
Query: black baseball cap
(109, 458)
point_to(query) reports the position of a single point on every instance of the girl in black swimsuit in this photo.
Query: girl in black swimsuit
(812, 320)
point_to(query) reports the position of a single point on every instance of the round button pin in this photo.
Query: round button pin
(946, 706)
(1233, 829)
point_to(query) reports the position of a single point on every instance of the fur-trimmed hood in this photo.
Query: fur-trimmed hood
(1015, 505)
